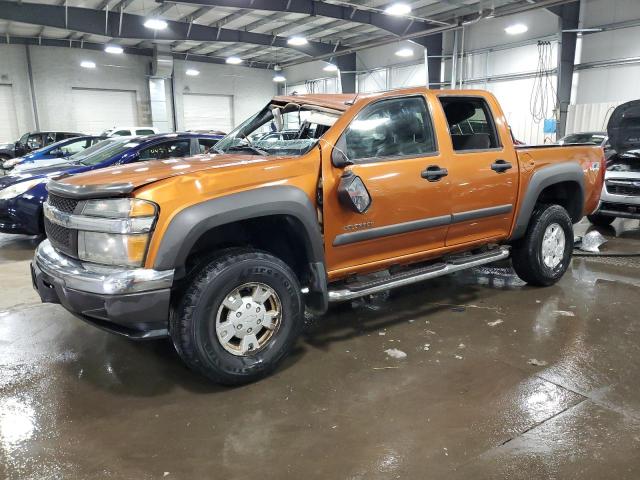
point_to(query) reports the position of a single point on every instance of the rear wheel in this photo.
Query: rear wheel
(239, 317)
(544, 254)
(601, 220)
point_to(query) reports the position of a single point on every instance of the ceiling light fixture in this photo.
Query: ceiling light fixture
(114, 49)
(87, 64)
(297, 41)
(192, 72)
(155, 24)
(516, 29)
(398, 9)
(330, 67)
(233, 60)
(404, 52)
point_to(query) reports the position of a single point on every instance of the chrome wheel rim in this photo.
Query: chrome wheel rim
(553, 243)
(248, 318)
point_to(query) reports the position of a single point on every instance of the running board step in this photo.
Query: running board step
(415, 275)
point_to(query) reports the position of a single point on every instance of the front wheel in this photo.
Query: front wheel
(239, 317)
(544, 254)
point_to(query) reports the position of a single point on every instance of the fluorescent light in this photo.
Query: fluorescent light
(405, 52)
(87, 64)
(113, 49)
(192, 72)
(297, 41)
(278, 77)
(155, 24)
(330, 67)
(398, 9)
(516, 29)
(233, 60)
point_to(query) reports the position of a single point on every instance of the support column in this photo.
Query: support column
(433, 46)
(347, 66)
(569, 19)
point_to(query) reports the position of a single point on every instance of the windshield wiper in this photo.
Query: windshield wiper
(248, 147)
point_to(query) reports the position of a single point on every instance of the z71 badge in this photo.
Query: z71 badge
(358, 226)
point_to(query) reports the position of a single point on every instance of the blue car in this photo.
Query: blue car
(51, 154)
(22, 195)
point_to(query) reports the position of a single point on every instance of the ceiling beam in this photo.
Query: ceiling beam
(129, 26)
(395, 25)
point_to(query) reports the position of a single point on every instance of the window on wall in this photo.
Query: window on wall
(399, 127)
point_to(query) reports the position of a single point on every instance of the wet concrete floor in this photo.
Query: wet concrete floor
(466, 377)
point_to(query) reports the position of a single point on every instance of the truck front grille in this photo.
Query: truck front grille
(63, 239)
(623, 187)
(67, 205)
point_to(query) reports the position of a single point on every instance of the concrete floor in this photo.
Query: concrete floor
(499, 381)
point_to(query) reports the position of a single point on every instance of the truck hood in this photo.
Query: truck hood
(624, 128)
(143, 173)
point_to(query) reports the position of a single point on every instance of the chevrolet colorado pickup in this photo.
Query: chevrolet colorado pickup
(223, 252)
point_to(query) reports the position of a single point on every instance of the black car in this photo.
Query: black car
(32, 141)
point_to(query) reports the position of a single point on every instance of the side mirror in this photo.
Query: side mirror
(339, 159)
(352, 193)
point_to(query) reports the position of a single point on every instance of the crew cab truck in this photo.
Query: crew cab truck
(224, 252)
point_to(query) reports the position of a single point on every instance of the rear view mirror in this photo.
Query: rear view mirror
(339, 158)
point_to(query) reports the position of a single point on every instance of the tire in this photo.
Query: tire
(211, 298)
(601, 220)
(527, 255)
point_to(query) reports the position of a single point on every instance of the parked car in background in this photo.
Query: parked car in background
(32, 141)
(225, 255)
(51, 154)
(621, 191)
(129, 131)
(22, 194)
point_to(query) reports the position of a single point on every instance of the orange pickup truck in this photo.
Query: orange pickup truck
(315, 199)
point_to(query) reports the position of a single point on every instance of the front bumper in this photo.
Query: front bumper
(129, 302)
(616, 205)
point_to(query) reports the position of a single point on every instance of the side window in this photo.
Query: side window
(144, 131)
(399, 127)
(204, 144)
(49, 138)
(122, 133)
(34, 142)
(74, 147)
(162, 151)
(470, 123)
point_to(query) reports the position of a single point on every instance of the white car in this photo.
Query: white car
(129, 131)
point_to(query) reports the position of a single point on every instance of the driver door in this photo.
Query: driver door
(394, 152)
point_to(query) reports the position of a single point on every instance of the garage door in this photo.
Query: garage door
(9, 125)
(96, 110)
(208, 112)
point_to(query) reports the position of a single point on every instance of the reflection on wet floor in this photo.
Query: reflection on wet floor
(474, 375)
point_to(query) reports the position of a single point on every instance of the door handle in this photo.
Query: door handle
(501, 166)
(433, 173)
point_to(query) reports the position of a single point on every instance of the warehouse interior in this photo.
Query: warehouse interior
(471, 375)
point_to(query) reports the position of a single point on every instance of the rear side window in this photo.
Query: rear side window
(394, 128)
(122, 133)
(162, 151)
(144, 131)
(470, 123)
(204, 144)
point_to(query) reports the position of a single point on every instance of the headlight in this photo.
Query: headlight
(20, 188)
(12, 163)
(120, 235)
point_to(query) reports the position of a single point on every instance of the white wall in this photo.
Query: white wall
(57, 70)
(13, 71)
(251, 88)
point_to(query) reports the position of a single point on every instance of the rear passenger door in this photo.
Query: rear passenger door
(483, 170)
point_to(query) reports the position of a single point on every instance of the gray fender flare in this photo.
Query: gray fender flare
(188, 226)
(543, 178)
